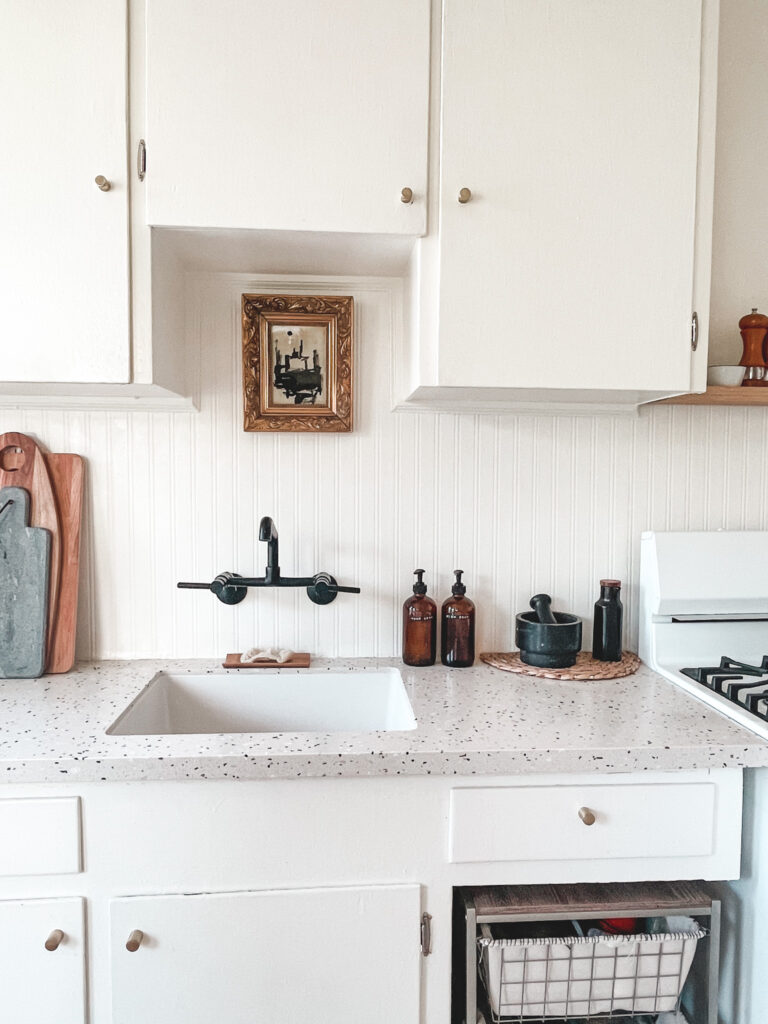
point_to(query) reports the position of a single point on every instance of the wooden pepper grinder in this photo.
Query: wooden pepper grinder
(754, 328)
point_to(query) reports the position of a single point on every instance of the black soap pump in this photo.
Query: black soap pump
(419, 625)
(457, 641)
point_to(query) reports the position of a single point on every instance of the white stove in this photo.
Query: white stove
(704, 618)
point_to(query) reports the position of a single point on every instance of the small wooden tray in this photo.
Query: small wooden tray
(586, 666)
(296, 660)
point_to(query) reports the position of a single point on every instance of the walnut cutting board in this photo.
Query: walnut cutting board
(67, 477)
(22, 465)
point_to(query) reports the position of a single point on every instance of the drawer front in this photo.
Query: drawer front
(533, 823)
(40, 836)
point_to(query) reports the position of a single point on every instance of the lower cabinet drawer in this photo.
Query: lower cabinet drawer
(40, 836)
(575, 822)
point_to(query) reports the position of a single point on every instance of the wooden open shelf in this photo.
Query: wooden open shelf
(720, 396)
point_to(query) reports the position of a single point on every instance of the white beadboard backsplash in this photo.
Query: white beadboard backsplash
(522, 503)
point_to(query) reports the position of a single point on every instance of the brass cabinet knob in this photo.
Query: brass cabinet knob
(587, 816)
(465, 195)
(406, 195)
(104, 183)
(134, 940)
(54, 940)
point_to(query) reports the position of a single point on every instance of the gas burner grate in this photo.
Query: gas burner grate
(728, 680)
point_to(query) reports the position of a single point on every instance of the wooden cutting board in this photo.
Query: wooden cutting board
(22, 465)
(67, 475)
(296, 660)
(24, 578)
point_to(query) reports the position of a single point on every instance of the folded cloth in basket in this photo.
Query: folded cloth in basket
(586, 975)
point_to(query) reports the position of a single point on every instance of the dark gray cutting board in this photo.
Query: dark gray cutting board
(25, 554)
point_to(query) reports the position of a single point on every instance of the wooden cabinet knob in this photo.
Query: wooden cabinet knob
(134, 940)
(104, 183)
(587, 816)
(465, 195)
(406, 195)
(54, 940)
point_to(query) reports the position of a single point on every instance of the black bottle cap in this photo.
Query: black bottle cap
(420, 587)
(458, 589)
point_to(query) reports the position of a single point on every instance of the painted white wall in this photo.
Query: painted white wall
(743, 990)
(739, 282)
(740, 246)
(521, 503)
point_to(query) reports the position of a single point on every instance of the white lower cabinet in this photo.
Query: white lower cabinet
(41, 985)
(297, 956)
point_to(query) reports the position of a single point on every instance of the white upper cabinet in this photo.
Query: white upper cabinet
(572, 265)
(64, 307)
(294, 115)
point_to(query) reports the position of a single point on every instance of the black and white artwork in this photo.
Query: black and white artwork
(298, 357)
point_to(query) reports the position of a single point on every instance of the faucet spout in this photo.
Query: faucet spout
(268, 533)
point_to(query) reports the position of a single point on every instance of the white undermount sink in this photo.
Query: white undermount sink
(260, 700)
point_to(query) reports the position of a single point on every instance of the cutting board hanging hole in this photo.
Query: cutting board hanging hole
(12, 459)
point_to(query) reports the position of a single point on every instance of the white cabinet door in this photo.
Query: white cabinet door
(295, 115)
(574, 124)
(63, 241)
(304, 956)
(37, 985)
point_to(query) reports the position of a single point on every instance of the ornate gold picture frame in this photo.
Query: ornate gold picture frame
(297, 362)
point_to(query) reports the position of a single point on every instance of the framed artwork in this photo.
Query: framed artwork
(297, 362)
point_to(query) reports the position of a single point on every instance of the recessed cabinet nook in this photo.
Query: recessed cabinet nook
(538, 173)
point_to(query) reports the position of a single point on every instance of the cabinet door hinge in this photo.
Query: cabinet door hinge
(426, 934)
(141, 159)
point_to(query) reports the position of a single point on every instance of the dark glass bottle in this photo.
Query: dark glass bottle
(457, 627)
(419, 625)
(606, 633)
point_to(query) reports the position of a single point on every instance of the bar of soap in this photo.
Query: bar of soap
(278, 654)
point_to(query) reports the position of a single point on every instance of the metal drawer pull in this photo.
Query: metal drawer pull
(587, 816)
(104, 183)
(134, 940)
(426, 934)
(54, 940)
(406, 195)
(465, 195)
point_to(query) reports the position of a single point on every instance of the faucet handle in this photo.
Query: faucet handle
(324, 588)
(223, 587)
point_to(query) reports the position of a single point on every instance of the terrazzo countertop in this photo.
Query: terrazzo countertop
(478, 721)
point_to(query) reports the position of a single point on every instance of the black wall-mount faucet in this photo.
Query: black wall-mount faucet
(231, 588)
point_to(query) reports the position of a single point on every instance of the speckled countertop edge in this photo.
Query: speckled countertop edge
(477, 721)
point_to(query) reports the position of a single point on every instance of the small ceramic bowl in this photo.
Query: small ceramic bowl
(725, 376)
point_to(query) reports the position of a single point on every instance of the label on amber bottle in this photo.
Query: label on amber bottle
(421, 618)
(451, 614)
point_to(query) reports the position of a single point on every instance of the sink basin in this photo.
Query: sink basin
(268, 701)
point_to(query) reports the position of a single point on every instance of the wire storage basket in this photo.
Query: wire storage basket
(582, 977)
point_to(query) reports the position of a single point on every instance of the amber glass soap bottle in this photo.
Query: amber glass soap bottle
(457, 642)
(419, 625)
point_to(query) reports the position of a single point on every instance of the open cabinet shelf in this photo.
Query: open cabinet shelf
(720, 396)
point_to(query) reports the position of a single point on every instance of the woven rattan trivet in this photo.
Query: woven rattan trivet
(586, 666)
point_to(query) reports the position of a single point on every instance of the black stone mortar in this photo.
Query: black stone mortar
(548, 644)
